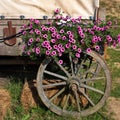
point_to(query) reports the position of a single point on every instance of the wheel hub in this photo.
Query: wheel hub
(74, 84)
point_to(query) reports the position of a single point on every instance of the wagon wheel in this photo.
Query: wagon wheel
(74, 88)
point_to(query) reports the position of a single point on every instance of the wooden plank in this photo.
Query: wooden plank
(9, 31)
(4, 82)
(15, 50)
(102, 14)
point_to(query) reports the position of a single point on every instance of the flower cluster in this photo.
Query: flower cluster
(64, 35)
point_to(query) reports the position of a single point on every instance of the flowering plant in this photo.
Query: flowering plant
(64, 35)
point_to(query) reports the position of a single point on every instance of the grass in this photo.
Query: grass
(41, 113)
(114, 65)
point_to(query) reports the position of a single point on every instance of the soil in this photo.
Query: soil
(114, 107)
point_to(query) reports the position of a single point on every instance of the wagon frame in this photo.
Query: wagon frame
(77, 88)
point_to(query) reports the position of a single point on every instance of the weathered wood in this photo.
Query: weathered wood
(102, 14)
(4, 81)
(16, 49)
(9, 32)
(8, 28)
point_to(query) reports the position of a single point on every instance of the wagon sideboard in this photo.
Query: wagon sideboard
(13, 46)
(14, 15)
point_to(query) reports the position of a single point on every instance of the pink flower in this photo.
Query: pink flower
(80, 32)
(37, 50)
(77, 55)
(82, 41)
(53, 53)
(37, 31)
(63, 37)
(37, 39)
(79, 28)
(95, 39)
(29, 43)
(60, 62)
(45, 36)
(118, 40)
(32, 19)
(31, 40)
(43, 29)
(62, 31)
(24, 32)
(109, 23)
(71, 36)
(53, 35)
(45, 43)
(55, 46)
(82, 35)
(37, 21)
(28, 53)
(79, 50)
(92, 32)
(53, 40)
(31, 32)
(57, 11)
(59, 45)
(99, 38)
(33, 49)
(47, 52)
(118, 36)
(58, 36)
(114, 44)
(94, 27)
(24, 26)
(49, 48)
(73, 20)
(52, 29)
(60, 54)
(67, 45)
(74, 47)
(109, 38)
(72, 40)
(62, 49)
(97, 47)
(69, 32)
(88, 50)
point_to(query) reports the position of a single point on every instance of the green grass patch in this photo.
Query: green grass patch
(114, 65)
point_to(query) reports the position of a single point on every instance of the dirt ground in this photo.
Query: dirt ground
(114, 107)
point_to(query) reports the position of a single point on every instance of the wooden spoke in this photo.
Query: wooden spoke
(71, 63)
(91, 88)
(92, 79)
(54, 85)
(57, 94)
(55, 75)
(64, 70)
(87, 97)
(89, 70)
(77, 100)
(66, 102)
(79, 68)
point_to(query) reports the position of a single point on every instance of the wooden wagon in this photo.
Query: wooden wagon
(76, 88)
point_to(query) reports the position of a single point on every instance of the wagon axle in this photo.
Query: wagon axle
(74, 84)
